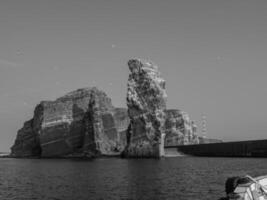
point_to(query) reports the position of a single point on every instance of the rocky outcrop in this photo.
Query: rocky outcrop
(180, 130)
(81, 123)
(146, 101)
(27, 143)
(84, 123)
(102, 132)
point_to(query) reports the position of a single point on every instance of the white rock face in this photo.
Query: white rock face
(146, 101)
(180, 130)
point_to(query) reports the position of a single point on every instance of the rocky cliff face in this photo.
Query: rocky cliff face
(105, 127)
(146, 101)
(81, 123)
(179, 129)
(85, 123)
(27, 143)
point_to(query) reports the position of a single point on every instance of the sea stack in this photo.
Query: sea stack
(146, 101)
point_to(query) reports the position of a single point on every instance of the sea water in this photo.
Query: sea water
(182, 178)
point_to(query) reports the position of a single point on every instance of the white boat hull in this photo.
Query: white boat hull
(253, 190)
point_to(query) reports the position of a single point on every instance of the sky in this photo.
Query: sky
(212, 54)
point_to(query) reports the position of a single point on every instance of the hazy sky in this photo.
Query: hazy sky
(213, 55)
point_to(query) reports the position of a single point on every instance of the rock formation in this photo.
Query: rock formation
(81, 123)
(146, 101)
(180, 130)
(84, 123)
(27, 143)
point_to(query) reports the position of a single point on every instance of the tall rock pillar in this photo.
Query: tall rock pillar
(146, 101)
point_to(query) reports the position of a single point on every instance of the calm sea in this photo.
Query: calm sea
(182, 178)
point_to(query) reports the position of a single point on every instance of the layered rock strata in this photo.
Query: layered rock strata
(84, 123)
(146, 101)
(180, 130)
(81, 123)
(27, 143)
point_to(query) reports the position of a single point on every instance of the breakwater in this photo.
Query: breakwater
(253, 148)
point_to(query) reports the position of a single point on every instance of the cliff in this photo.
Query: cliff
(84, 123)
(146, 101)
(81, 123)
(179, 129)
(27, 143)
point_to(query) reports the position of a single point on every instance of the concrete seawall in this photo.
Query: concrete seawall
(255, 148)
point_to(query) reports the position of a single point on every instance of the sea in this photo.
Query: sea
(179, 178)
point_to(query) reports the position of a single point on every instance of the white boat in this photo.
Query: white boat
(247, 188)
